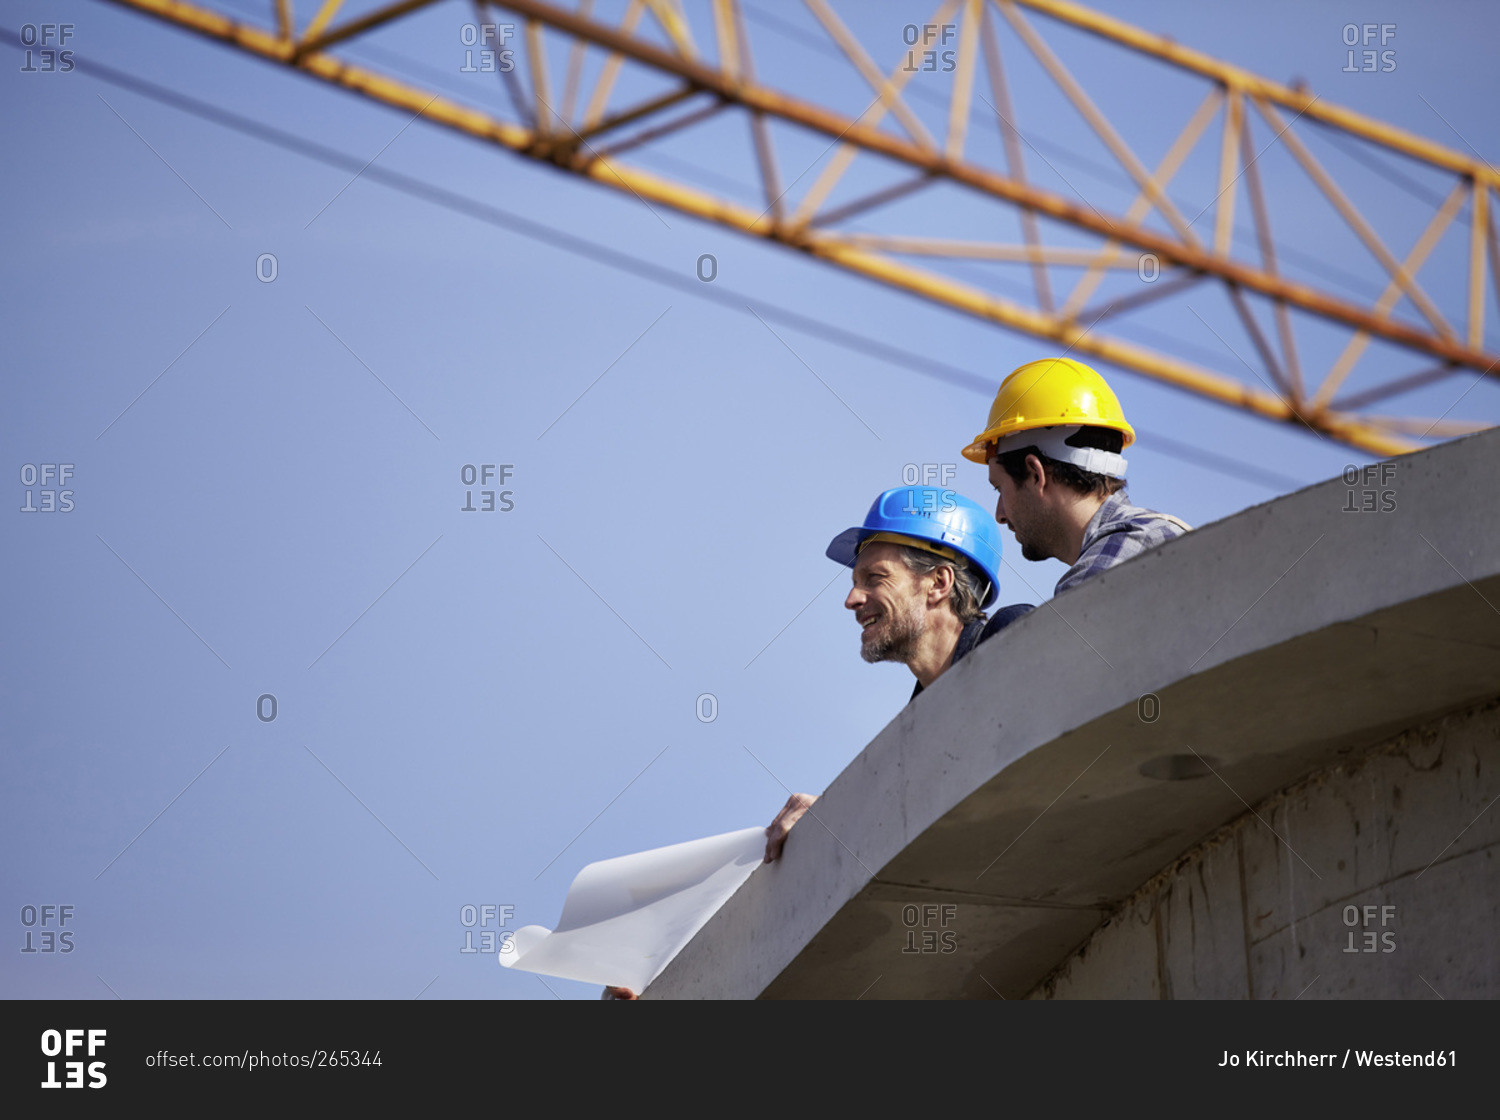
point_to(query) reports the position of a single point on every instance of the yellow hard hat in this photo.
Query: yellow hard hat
(1047, 393)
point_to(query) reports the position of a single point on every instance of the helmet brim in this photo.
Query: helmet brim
(844, 548)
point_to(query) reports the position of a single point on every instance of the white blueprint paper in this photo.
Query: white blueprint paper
(625, 918)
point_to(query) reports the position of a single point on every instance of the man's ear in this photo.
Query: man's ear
(941, 586)
(1036, 472)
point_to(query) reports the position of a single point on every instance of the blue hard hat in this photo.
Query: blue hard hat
(934, 518)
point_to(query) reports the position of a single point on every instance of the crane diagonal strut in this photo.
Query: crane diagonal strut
(555, 140)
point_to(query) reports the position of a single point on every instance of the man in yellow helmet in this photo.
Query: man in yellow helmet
(1053, 445)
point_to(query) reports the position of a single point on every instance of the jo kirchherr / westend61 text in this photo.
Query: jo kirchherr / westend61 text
(1266, 1059)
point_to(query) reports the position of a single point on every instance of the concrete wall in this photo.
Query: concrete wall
(1027, 796)
(1372, 913)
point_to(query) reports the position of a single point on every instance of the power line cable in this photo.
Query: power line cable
(1383, 168)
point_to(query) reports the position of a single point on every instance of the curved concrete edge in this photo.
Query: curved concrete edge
(1274, 639)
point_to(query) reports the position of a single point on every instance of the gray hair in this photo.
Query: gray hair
(969, 585)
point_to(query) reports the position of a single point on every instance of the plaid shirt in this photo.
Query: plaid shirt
(1117, 532)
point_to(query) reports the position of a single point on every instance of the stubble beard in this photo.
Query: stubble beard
(1032, 551)
(898, 637)
(1032, 536)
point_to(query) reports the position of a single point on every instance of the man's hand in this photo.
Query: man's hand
(790, 814)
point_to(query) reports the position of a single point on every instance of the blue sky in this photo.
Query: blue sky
(269, 477)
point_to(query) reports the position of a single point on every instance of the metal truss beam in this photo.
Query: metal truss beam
(545, 134)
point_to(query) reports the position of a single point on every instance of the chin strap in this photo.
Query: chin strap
(1052, 442)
